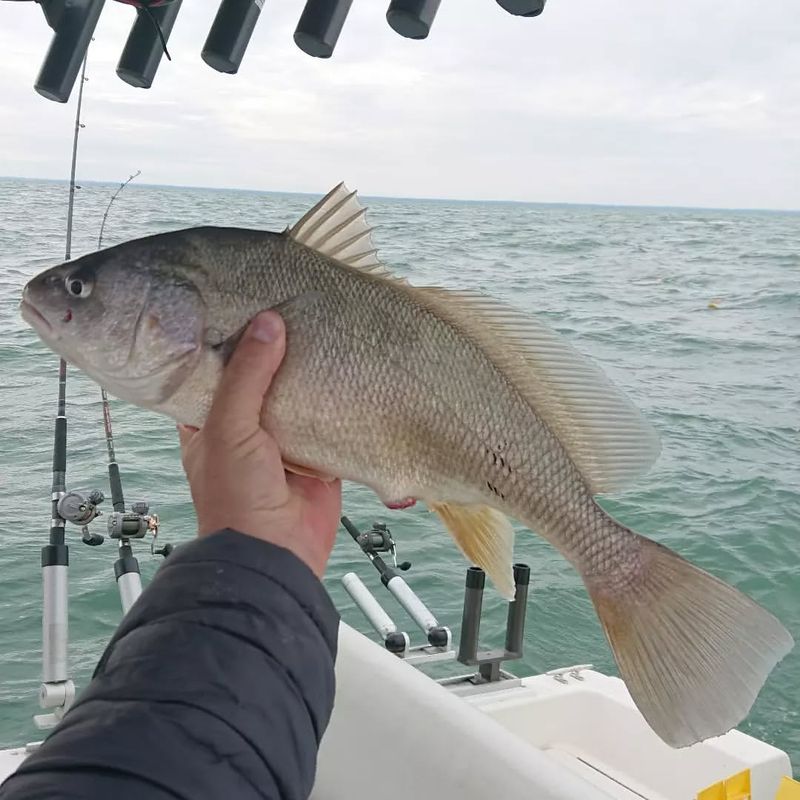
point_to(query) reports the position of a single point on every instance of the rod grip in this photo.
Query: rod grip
(320, 25)
(350, 528)
(60, 445)
(115, 481)
(143, 51)
(412, 18)
(73, 25)
(230, 34)
(522, 8)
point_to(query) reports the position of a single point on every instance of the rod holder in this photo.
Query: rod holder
(143, 50)
(438, 635)
(230, 34)
(489, 661)
(395, 641)
(129, 579)
(73, 23)
(320, 25)
(471, 616)
(55, 620)
(412, 18)
(522, 8)
(515, 623)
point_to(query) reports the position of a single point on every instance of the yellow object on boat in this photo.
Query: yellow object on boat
(788, 790)
(737, 787)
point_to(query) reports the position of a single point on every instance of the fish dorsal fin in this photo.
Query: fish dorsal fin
(603, 432)
(337, 227)
(605, 435)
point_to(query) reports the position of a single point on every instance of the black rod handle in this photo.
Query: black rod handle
(412, 18)
(73, 24)
(523, 8)
(115, 481)
(143, 50)
(320, 25)
(515, 624)
(471, 618)
(230, 34)
(350, 528)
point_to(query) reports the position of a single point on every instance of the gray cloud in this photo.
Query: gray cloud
(694, 102)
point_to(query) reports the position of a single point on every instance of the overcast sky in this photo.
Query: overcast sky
(688, 102)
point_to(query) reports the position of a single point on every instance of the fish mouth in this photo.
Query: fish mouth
(35, 318)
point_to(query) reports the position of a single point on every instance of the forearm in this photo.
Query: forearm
(219, 682)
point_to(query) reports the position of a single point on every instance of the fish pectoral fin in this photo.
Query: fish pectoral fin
(486, 538)
(292, 311)
(308, 472)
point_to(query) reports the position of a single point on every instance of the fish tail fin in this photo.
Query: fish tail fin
(485, 537)
(693, 651)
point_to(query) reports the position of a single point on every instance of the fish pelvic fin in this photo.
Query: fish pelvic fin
(486, 538)
(693, 651)
(308, 472)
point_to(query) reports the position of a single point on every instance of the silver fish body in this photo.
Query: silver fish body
(417, 392)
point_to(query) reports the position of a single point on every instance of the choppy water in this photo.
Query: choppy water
(629, 286)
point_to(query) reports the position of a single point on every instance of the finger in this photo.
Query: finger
(186, 434)
(237, 405)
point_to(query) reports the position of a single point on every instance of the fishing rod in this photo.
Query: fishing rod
(136, 523)
(57, 692)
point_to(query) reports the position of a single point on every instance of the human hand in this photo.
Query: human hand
(234, 466)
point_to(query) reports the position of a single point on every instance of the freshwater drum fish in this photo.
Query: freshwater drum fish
(422, 393)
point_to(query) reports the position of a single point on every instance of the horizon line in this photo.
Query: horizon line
(142, 184)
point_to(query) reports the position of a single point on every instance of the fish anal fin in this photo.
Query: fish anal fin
(486, 538)
(693, 651)
(308, 472)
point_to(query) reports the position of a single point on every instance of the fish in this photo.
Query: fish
(423, 393)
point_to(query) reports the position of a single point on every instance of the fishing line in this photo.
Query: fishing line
(146, 8)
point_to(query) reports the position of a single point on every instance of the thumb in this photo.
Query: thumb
(237, 405)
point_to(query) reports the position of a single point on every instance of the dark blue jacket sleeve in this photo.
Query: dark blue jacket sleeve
(219, 683)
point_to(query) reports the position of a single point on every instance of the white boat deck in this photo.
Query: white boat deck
(396, 733)
(569, 739)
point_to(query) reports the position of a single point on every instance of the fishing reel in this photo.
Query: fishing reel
(136, 524)
(81, 509)
(133, 524)
(379, 540)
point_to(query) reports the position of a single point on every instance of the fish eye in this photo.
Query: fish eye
(77, 287)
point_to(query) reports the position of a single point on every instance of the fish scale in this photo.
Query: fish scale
(445, 396)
